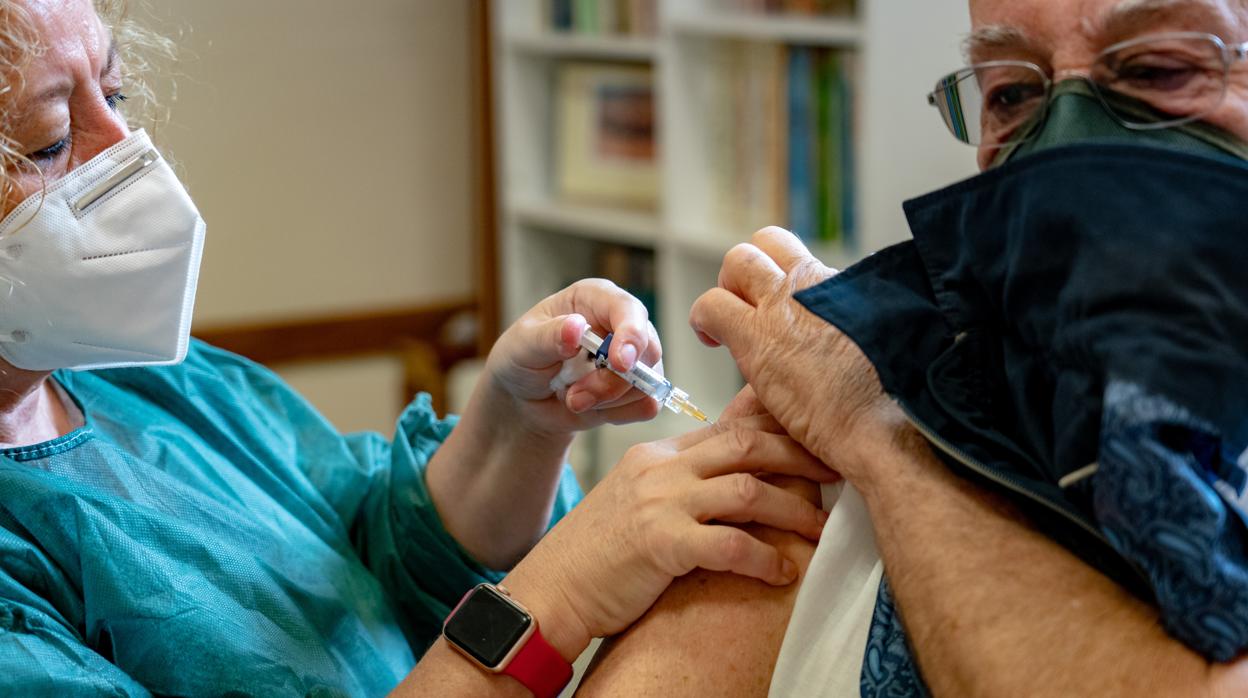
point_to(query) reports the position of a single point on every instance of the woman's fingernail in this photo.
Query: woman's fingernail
(628, 356)
(580, 401)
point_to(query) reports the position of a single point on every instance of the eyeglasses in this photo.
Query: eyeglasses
(1180, 77)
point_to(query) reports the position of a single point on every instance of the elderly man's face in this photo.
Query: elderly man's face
(1065, 36)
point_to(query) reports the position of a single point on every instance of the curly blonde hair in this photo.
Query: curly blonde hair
(138, 48)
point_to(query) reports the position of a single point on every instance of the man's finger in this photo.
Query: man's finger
(749, 273)
(720, 316)
(745, 404)
(785, 248)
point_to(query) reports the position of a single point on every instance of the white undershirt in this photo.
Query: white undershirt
(826, 639)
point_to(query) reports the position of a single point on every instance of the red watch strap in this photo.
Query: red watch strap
(539, 667)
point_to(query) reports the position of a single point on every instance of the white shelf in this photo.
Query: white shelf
(780, 28)
(637, 228)
(554, 45)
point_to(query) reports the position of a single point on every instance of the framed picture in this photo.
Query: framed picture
(606, 135)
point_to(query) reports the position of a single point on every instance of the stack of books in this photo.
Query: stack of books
(629, 17)
(781, 130)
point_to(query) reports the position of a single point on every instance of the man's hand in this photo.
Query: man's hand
(811, 377)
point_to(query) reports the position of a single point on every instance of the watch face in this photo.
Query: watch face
(487, 626)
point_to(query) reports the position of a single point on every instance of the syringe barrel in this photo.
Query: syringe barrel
(641, 377)
(649, 381)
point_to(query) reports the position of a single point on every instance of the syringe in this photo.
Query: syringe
(643, 378)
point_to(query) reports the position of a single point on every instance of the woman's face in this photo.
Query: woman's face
(66, 112)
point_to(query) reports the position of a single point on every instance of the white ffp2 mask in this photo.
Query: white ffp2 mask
(99, 270)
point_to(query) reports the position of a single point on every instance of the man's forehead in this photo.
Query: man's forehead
(1089, 8)
(1009, 23)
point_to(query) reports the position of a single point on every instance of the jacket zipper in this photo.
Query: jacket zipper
(1013, 485)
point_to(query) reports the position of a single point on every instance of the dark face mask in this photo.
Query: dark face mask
(1116, 250)
(1076, 115)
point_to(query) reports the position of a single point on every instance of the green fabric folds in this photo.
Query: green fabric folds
(1076, 115)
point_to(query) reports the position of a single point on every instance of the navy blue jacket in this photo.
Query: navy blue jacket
(1071, 330)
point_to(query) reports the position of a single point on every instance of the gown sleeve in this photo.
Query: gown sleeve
(360, 486)
(399, 534)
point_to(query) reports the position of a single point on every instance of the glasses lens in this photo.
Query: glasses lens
(989, 103)
(1179, 77)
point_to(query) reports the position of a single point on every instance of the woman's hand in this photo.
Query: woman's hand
(532, 351)
(494, 478)
(650, 521)
(816, 382)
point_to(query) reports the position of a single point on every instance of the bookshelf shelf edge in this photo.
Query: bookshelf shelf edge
(588, 222)
(555, 45)
(843, 33)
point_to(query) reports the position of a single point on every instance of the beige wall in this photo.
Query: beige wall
(328, 145)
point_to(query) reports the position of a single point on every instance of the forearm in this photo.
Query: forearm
(992, 607)
(494, 481)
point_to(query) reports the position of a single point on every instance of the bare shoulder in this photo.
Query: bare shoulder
(710, 633)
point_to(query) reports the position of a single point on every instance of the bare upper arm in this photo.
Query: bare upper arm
(710, 633)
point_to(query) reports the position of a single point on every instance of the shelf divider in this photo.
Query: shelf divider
(833, 31)
(568, 45)
(625, 226)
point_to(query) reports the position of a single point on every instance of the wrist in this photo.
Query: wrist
(883, 453)
(498, 418)
(557, 619)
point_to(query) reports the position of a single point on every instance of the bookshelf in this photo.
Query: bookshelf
(892, 51)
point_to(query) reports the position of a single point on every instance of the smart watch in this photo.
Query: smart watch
(501, 636)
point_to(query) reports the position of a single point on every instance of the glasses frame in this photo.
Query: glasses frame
(934, 97)
(1230, 54)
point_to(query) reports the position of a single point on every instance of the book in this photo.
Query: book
(643, 17)
(604, 17)
(585, 16)
(780, 139)
(632, 269)
(801, 166)
(830, 94)
(746, 127)
(561, 15)
(849, 132)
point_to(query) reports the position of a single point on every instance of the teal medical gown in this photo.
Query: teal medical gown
(208, 533)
